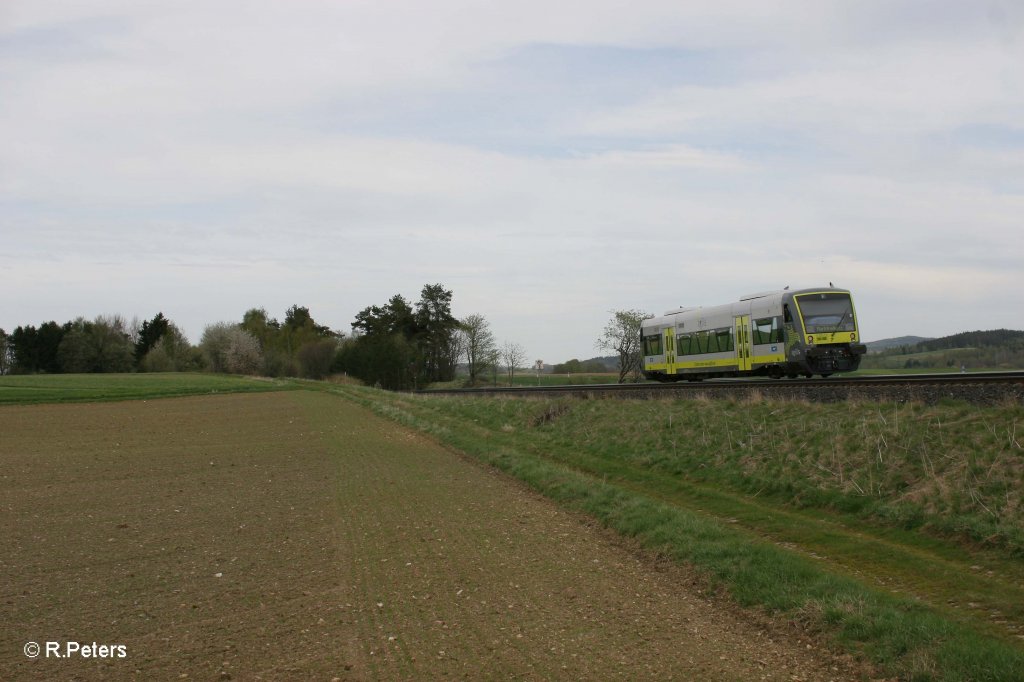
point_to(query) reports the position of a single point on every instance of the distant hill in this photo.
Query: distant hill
(896, 342)
(994, 349)
(979, 339)
(593, 365)
(610, 362)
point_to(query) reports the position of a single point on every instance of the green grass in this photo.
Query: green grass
(954, 469)
(674, 474)
(69, 388)
(918, 370)
(948, 359)
(528, 379)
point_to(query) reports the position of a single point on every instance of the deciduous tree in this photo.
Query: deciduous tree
(316, 357)
(102, 345)
(173, 353)
(257, 322)
(478, 345)
(384, 360)
(229, 348)
(512, 356)
(622, 336)
(6, 356)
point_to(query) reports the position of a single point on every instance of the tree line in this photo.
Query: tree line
(397, 345)
(104, 344)
(577, 366)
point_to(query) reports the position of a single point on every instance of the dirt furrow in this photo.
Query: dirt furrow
(296, 536)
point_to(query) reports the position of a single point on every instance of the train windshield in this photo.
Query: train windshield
(827, 312)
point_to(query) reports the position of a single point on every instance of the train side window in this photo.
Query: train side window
(785, 313)
(776, 335)
(701, 341)
(683, 344)
(652, 345)
(712, 342)
(762, 330)
(724, 339)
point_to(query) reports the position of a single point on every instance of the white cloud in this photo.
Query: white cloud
(183, 156)
(672, 156)
(900, 90)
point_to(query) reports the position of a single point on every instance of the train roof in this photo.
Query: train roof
(669, 316)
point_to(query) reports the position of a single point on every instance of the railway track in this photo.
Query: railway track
(979, 387)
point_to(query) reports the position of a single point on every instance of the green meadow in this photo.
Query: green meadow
(69, 388)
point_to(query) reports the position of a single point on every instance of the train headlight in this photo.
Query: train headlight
(810, 339)
(853, 337)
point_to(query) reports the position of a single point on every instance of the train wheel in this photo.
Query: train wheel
(826, 376)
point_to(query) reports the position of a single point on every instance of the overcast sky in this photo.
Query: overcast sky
(548, 162)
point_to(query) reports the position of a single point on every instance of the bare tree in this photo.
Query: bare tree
(456, 349)
(622, 336)
(478, 345)
(134, 329)
(6, 353)
(512, 355)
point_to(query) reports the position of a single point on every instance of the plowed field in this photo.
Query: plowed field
(296, 536)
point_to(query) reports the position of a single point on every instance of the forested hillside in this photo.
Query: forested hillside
(895, 342)
(992, 349)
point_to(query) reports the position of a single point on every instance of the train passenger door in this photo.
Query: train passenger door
(744, 348)
(670, 351)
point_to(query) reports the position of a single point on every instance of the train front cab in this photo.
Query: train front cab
(822, 332)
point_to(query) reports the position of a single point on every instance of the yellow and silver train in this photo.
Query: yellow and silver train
(776, 333)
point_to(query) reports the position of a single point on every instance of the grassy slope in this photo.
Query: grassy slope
(527, 379)
(64, 388)
(921, 607)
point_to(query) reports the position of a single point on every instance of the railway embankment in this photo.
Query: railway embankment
(990, 388)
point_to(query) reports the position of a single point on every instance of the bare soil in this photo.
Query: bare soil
(296, 536)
